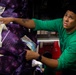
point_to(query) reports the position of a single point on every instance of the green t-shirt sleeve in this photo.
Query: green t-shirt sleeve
(48, 25)
(67, 59)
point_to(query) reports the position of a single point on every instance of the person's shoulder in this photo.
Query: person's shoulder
(58, 21)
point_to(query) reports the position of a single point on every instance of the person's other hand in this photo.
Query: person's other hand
(31, 55)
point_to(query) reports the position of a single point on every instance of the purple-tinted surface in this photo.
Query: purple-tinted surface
(13, 62)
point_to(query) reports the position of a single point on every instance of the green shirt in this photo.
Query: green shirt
(67, 60)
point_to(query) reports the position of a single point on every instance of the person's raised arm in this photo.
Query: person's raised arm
(29, 23)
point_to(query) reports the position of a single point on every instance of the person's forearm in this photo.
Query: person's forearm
(53, 63)
(29, 23)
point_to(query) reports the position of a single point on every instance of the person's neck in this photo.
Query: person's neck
(71, 30)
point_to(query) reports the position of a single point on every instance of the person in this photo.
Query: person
(66, 29)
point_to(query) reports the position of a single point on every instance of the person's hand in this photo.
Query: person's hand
(31, 55)
(6, 20)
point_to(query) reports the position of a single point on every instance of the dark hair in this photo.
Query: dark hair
(71, 5)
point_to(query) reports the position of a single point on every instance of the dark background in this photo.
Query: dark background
(46, 9)
(41, 9)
